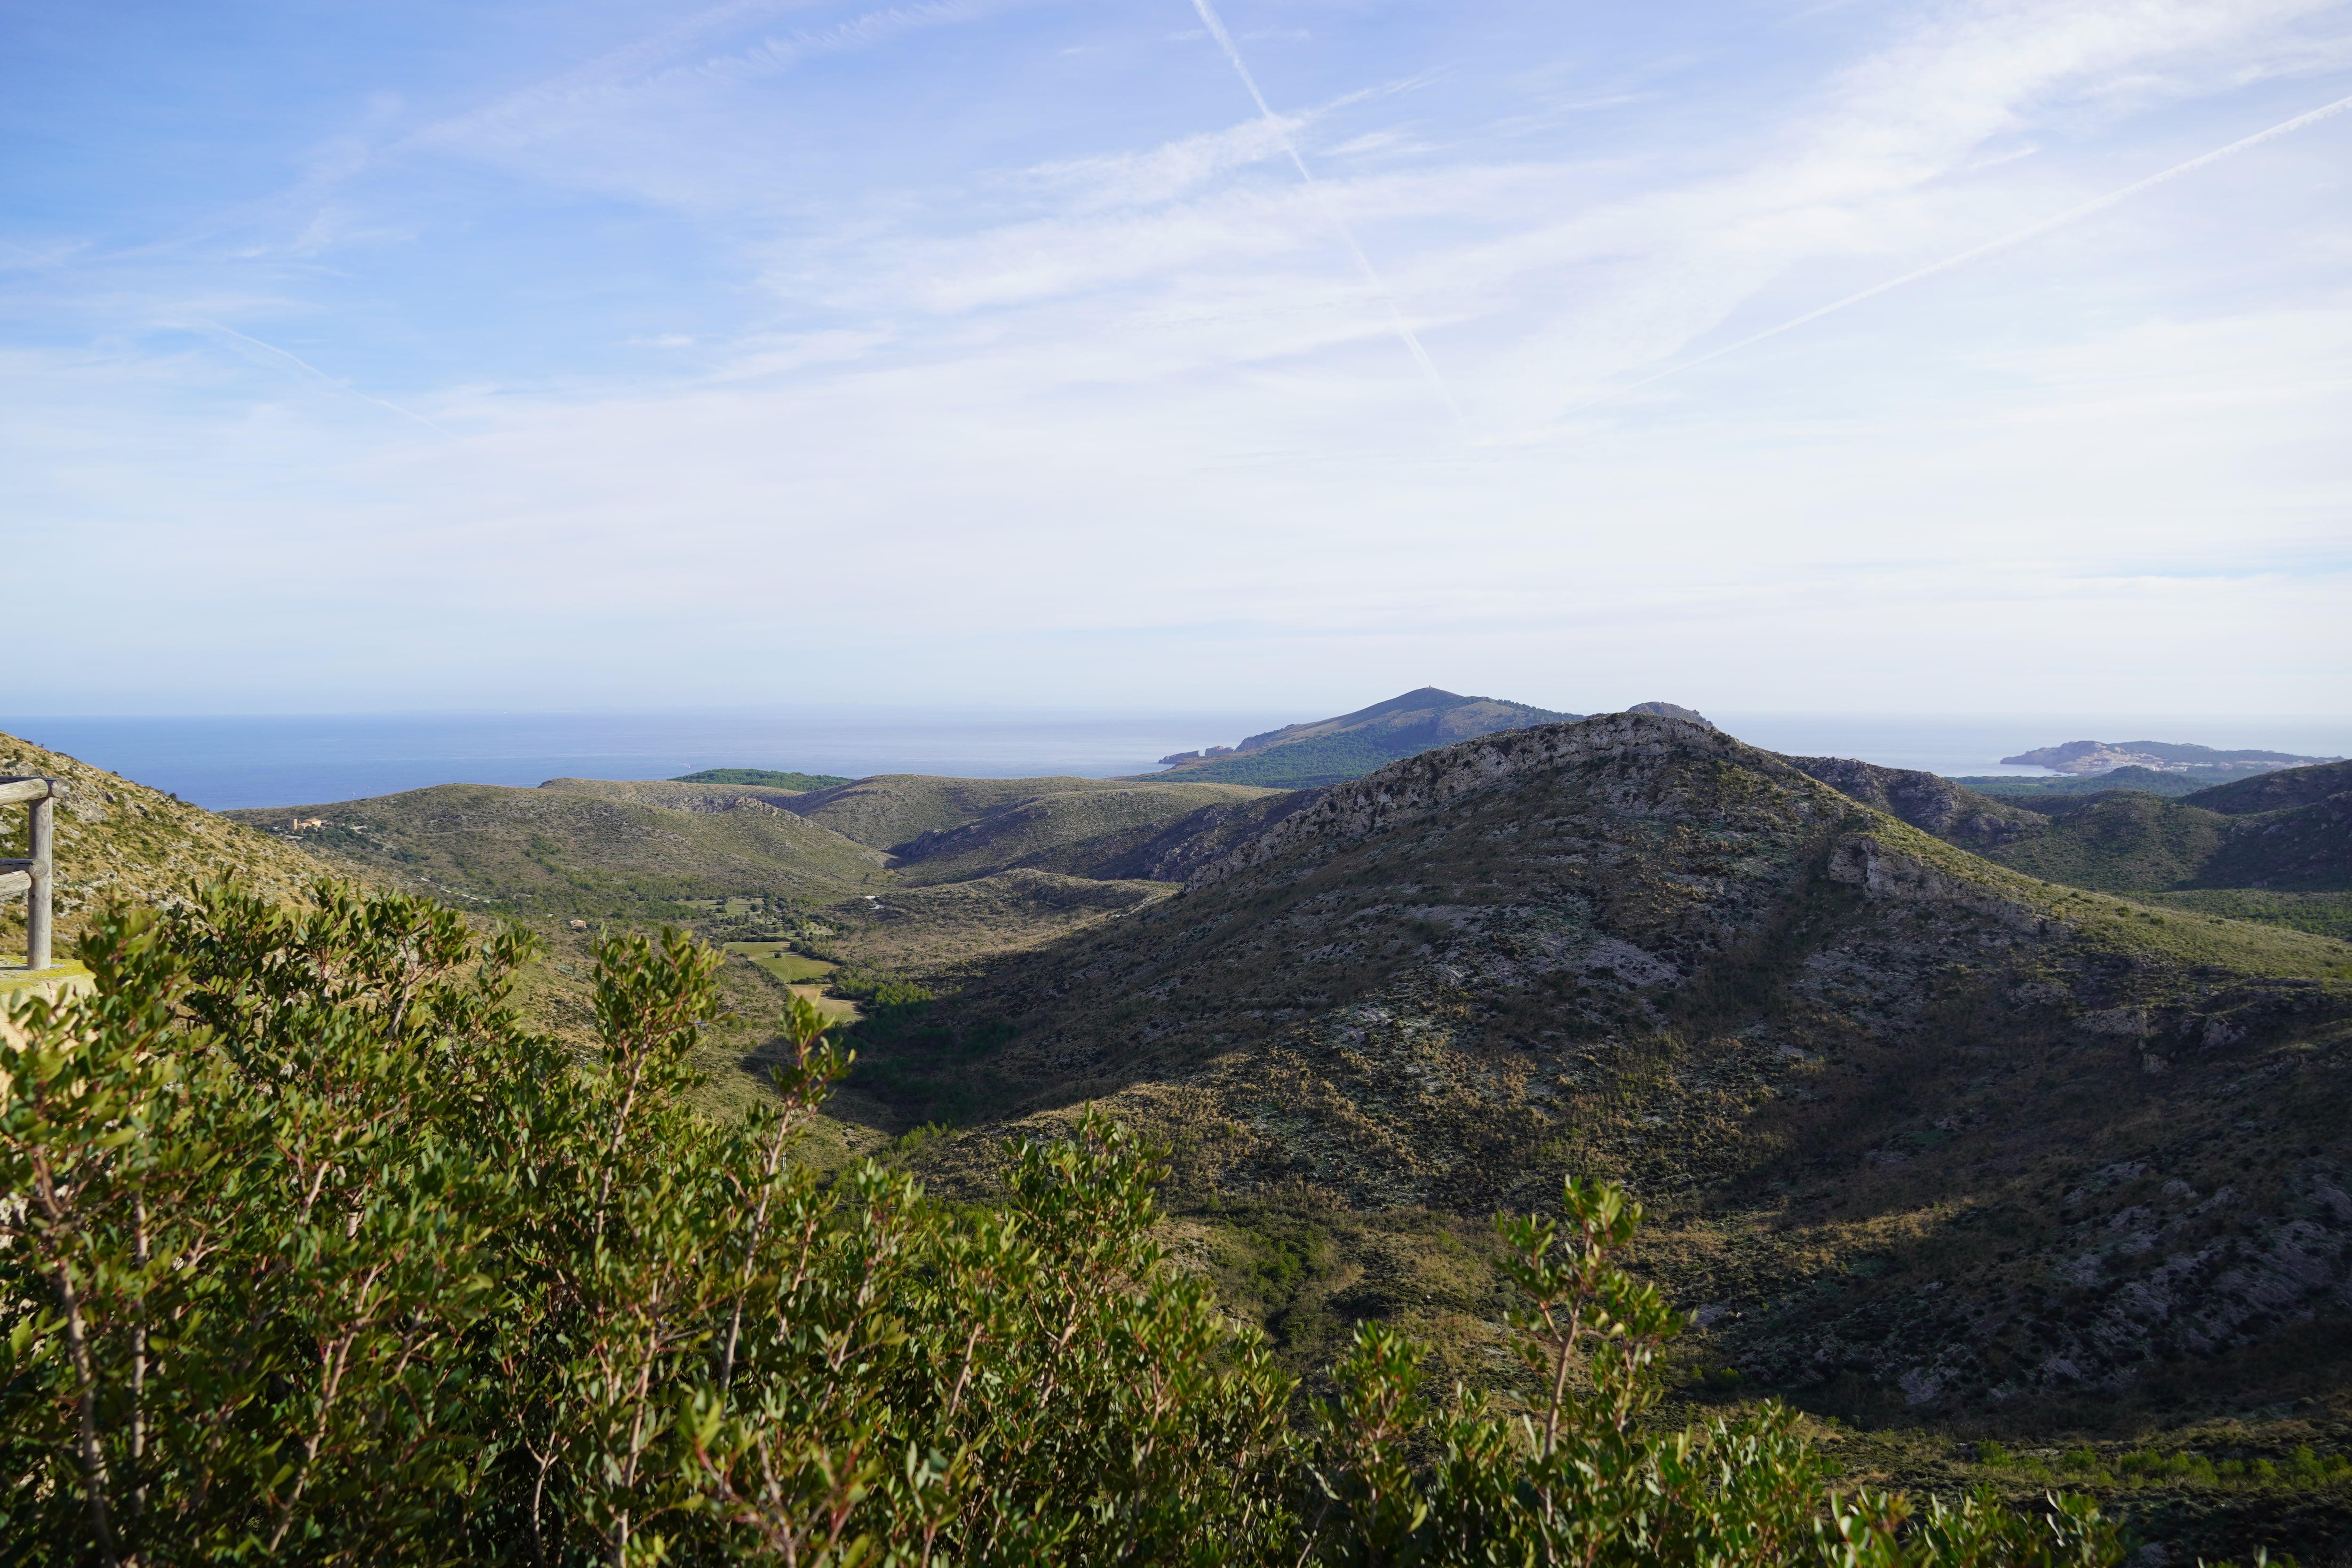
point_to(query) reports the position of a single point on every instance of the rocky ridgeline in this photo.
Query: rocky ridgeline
(1928, 802)
(1343, 813)
(1862, 1068)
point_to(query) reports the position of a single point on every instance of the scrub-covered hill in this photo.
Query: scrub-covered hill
(1932, 1136)
(2035, 792)
(942, 828)
(2274, 847)
(114, 836)
(566, 851)
(1329, 751)
(678, 794)
(2286, 788)
(1102, 832)
(1035, 858)
(1947, 809)
(781, 780)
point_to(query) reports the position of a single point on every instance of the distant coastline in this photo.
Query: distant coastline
(224, 761)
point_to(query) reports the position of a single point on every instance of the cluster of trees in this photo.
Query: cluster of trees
(312, 1251)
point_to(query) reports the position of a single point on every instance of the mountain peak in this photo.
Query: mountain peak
(1671, 710)
(1327, 751)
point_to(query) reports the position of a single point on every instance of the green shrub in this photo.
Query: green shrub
(1575, 1475)
(890, 1005)
(319, 1253)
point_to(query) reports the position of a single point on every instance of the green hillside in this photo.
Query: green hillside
(2277, 791)
(1079, 831)
(1945, 807)
(1329, 751)
(894, 811)
(1922, 1134)
(2124, 842)
(2278, 849)
(1039, 856)
(1317, 760)
(672, 796)
(564, 853)
(115, 837)
(763, 776)
(1907, 1112)
(2027, 790)
(946, 928)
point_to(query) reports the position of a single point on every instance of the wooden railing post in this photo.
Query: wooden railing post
(36, 896)
(36, 875)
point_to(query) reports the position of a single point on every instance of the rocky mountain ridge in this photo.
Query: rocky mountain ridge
(1817, 1037)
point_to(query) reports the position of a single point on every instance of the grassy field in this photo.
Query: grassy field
(778, 960)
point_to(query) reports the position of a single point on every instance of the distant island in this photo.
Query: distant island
(772, 779)
(1332, 751)
(2159, 756)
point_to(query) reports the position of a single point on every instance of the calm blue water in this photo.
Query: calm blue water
(222, 763)
(227, 761)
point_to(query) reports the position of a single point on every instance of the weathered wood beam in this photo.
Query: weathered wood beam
(34, 877)
(37, 925)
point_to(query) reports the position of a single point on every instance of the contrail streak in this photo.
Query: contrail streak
(305, 371)
(2005, 241)
(1404, 331)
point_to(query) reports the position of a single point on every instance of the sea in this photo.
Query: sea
(225, 761)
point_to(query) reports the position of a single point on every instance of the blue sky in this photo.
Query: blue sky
(496, 355)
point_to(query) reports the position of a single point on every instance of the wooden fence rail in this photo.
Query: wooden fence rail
(34, 877)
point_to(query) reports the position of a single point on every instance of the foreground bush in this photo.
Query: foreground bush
(311, 1250)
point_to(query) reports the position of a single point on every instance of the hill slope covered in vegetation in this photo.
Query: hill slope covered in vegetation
(1934, 1140)
(445, 1293)
(2276, 847)
(1329, 751)
(115, 837)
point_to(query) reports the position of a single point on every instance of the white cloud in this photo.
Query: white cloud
(1132, 418)
(1168, 172)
